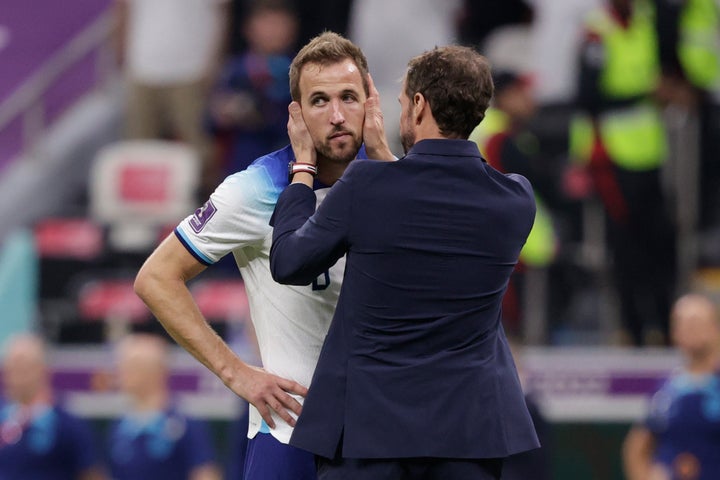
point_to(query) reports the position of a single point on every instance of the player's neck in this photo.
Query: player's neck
(41, 398)
(703, 364)
(151, 401)
(329, 171)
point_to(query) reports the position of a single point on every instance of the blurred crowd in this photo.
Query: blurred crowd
(609, 107)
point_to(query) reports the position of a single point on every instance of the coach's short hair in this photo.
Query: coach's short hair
(457, 84)
(325, 49)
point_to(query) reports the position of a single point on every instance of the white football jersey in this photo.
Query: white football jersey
(290, 321)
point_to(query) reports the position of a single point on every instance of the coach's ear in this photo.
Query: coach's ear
(421, 108)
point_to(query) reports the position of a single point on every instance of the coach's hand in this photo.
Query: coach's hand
(376, 144)
(268, 392)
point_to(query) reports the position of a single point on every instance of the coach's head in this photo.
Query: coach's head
(445, 94)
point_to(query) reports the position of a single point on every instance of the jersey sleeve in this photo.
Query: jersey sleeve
(235, 216)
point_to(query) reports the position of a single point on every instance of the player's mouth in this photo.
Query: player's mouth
(340, 135)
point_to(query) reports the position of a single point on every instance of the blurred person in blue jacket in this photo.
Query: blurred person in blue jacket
(39, 440)
(153, 439)
(247, 110)
(680, 437)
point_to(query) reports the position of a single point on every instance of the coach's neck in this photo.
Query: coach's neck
(426, 128)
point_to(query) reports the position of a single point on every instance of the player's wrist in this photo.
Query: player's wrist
(302, 171)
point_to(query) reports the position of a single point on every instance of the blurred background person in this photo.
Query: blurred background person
(313, 16)
(171, 51)
(619, 137)
(153, 439)
(247, 111)
(689, 49)
(477, 20)
(389, 38)
(317, 16)
(39, 440)
(680, 438)
(507, 144)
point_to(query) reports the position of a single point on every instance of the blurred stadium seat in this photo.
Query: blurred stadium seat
(66, 248)
(137, 188)
(222, 301)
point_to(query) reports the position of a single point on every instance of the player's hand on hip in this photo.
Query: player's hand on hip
(302, 144)
(376, 144)
(268, 392)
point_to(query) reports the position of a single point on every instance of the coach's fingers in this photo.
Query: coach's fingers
(371, 88)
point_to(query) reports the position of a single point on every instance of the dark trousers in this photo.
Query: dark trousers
(409, 469)
(643, 248)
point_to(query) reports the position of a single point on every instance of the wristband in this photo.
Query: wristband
(297, 167)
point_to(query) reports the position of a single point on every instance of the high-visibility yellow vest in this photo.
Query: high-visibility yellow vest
(540, 248)
(495, 122)
(634, 135)
(699, 45)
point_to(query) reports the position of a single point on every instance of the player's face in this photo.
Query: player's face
(22, 376)
(407, 124)
(135, 373)
(333, 107)
(694, 328)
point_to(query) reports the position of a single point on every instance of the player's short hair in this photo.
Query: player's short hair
(325, 49)
(457, 84)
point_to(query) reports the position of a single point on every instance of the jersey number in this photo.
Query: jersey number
(322, 281)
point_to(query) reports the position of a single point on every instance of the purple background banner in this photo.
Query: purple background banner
(31, 32)
(35, 30)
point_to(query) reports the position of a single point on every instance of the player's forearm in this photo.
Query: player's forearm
(162, 284)
(637, 454)
(93, 473)
(173, 305)
(205, 472)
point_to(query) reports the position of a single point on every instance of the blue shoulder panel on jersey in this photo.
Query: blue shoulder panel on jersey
(202, 258)
(275, 164)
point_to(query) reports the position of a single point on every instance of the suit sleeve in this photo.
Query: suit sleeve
(306, 244)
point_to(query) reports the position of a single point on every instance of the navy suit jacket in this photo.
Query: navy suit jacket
(416, 363)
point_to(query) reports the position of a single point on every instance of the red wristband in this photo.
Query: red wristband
(297, 167)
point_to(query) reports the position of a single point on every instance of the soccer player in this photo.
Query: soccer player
(329, 77)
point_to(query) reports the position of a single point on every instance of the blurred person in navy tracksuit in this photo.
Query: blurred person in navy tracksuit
(153, 439)
(680, 436)
(39, 439)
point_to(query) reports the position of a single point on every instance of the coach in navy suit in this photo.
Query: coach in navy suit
(415, 379)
